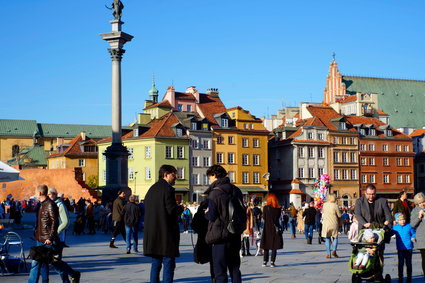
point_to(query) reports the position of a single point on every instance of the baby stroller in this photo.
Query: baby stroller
(373, 271)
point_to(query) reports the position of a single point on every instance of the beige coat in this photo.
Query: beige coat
(330, 220)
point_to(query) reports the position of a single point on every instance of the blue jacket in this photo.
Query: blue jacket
(404, 235)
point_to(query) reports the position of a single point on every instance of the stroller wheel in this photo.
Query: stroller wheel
(356, 278)
(387, 278)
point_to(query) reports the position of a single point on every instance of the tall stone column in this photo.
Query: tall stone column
(116, 154)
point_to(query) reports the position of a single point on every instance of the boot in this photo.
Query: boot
(111, 244)
(308, 241)
(293, 236)
(334, 254)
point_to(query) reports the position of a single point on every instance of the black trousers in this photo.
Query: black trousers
(404, 256)
(423, 260)
(225, 257)
(118, 228)
(266, 256)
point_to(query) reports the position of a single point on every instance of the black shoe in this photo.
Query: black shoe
(65, 246)
(136, 251)
(112, 246)
(248, 253)
(128, 251)
(76, 278)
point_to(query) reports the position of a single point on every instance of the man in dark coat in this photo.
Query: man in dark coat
(225, 246)
(371, 209)
(131, 216)
(402, 205)
(309, 222)
(162, 233)
(117, 218)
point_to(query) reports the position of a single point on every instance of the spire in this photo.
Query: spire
(333, 57)
(153, 93)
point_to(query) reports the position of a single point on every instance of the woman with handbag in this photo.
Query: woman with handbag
(272, 234)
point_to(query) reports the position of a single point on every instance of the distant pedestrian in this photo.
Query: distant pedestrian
(417, 220)
(162, 233)
(90, 217)
(117, 218)
(186, 217)
(293, 220)
(402, 205)
(330, 225)
(309, 215)
(131, 217)
(271, 238)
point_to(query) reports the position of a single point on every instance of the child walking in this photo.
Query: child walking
(405, 236)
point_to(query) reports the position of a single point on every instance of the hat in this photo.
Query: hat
(399, 216)
(367, 234)
(53, 190)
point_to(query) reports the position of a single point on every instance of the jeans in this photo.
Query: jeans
(404, 255)
(328, 244)
(293, 224)
(308, 231)
(39, 268)
(169, 266)
(225, 257)
(131, 231)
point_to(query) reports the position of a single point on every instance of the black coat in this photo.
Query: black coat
(310, 216)
(131, 214)
(162, 234)
(271, 240)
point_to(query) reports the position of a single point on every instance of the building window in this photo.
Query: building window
(194, 143)
(372, 161)
(195, 179)
(353, 174)
(406, 162)
(207, 162)
(231, 176)
(179, 132)
(352, 140)
(398, 147)
(364, 179)
(300, 172)
(372, 179)
(353, 157)
(344, 140)
(385, 161)
(130, 174)
(220, 140)
(220, 157)
(206, 179)
(84, 176)
(136, 132)
(205, 127)
(189, 108)
(81, 163)
(398, 161)
(130, 152)
(363, 147)
(320, 136)
(224, 123)
(345, 174)
(103, 156)
(335, 140)
(195, 161)
(245, 177)
(363, 161)
(180, 107)
(168, 152)
(301, 152)
(311, 172)
(371, 147)
(206, 144)
(104, 175)
(231, 158)
(309, 135)
(399, 179)
(336, 174)
(256, 177)
(344, 157)
(245, 159)
(406, 148)
(148, 175)
(180, 173)
(310, 152)
(231, 140)
(180, 152)
(15, 150)
(321, 152)
(336, 157)
(407, 179)
(320, 172)
(256, 159)
(342, 126)
(372, 132)
(256, 143)
(194, 126)
(386, 179)
(385, 147)
(245, 142)
(389, 133)
(147, 152)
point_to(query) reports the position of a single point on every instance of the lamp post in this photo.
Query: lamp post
(135, 181)
(116, 154)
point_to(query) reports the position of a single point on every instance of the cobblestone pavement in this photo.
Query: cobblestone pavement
(297, 262)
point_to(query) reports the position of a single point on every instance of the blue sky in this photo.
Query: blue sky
(261, 55)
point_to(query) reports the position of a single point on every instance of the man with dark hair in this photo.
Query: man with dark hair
(402, 205)
(117, 218)
(131, 216)
(162, 233)
(371, 209)
(225, 245)
(45, 231)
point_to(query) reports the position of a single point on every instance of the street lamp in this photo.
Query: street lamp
(135, 180)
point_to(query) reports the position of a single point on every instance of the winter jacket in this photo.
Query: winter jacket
(47, 221)
(404, 235)
(271, 240)
(310, 216)
(419, 226)
(117, 209)
(331, 217)
(131, 214)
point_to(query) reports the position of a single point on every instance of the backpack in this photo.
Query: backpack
(236, 222)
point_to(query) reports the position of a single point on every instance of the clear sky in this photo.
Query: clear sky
(261, 55)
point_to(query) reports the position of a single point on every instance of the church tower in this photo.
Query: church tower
(335, 88)
(153, 93)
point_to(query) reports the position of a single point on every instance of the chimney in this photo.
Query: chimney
(170, 95)
(212, 91)
(194, 91)
(83, 135)
(59, 141)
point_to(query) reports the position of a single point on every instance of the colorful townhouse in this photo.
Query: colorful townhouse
(240, 146)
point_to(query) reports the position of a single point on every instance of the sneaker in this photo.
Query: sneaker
(264, 264)
(76, 278)
(272, 265)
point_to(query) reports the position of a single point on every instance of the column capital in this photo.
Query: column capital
(116, 53)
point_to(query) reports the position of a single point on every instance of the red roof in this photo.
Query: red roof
(380, 112)
(376, 122)
(161, 104)
(210, 105)
(417, 133)
(325, 114)
(184, 96)
(75, 148)
(348, 99)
